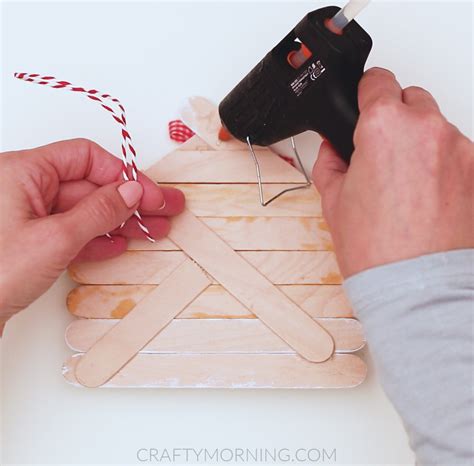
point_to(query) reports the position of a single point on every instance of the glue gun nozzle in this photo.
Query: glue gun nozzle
(224, 134)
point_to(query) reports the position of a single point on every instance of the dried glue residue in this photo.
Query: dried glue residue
(123, 308)
(331, 278)
(214, 289)
(328, 246)
(233, 219)
(73, 300)
(327, 243)
(323, 226)
(306, 223)
(78, 295)
(238, 219)
(74, 274)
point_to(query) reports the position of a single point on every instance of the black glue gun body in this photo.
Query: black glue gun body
(309, 81)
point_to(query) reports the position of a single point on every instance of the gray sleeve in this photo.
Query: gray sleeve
(418, 320)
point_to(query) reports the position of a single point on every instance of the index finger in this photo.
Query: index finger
(377, 83)
(81, 159)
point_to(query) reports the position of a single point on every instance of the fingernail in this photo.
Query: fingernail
(162, 205)
(131, 192)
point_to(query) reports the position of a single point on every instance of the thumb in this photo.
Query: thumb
(103, 210)
(328, 171)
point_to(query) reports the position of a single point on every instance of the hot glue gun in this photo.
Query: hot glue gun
(308, 81)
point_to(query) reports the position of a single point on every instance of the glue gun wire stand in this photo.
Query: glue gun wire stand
(264, 202)
(308, 81)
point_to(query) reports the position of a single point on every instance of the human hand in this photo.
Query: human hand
(57, 202)
(409, 189)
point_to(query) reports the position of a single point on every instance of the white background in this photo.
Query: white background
(154, 55)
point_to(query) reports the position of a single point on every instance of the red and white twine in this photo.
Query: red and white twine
(179, 132)
(128, 153)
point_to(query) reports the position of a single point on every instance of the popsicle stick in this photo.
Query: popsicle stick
(233, 371)
(296, 267)
(163, 244)
(223, 166)
(202, 116)
(241, 200)
(152, 267)
(260, 234)
(227, 334)
(319, 300)
(251, 288)
(125, 339)
(129, 268)
(194, 143)
(216, 336)
(277, 233)
(115, 301)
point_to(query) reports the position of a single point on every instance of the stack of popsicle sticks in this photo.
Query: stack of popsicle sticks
(264, 309)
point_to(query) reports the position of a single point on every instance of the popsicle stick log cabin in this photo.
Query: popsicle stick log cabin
(238, 295)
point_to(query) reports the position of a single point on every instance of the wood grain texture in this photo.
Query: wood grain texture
(202, 116)
(259, 234)
(296, 267)
(115, 301)
(267, 233)
(320, 300)
(223, 166)
(215, 336)
(129, 268)
(241, 200)
(233, 371)
(193, 143)
(251, 288)
(152, 267)
(122, 341)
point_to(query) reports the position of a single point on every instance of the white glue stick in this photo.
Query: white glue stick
(345, 15)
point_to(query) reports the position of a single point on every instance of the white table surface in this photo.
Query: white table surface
(154, 55)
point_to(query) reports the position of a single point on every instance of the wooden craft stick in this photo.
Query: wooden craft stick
(116, 301)
(268, 234)
(152, 267)
(124, 340)
(319, 300)
(202, 116)
(251, 288)
(130, 267)
(296, 267)
(181, 327)
(163, 244)
(241, 200)
(216, 336)
(223, 166)
(260, 234)
(194, 143)
(232, 371)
